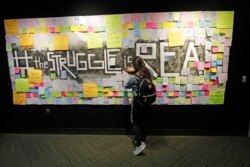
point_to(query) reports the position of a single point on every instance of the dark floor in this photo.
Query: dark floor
(45, 150)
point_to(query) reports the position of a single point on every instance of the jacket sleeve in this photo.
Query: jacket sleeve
(130, 82)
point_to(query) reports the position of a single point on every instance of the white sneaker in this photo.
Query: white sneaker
(143, 143)
(139, 149)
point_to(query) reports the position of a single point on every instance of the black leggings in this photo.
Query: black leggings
(139, 121)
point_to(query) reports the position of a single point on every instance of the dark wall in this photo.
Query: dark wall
(233, 116)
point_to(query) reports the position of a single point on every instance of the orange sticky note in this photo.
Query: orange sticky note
(19, 98)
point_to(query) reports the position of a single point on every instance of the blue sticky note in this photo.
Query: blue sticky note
(219, 62)
(213, 77)
(136, 25)
(137, 33)
(183, 93)
(214, 63)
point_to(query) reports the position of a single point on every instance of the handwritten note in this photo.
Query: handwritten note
(225, 19)
(90, 90)
(11, 26)
(114, 39)
(112, 22)
(94, 40)
(26, 40)
(19, 98)
(217, 96)
(61, 42)
(22, 85)
(35, 76)
(176, 38)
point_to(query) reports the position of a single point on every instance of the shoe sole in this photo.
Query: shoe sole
(139, 150)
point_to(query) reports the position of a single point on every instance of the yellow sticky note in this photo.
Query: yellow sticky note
(176, 16)
(220, 56)
(31, 30)
(171, 94)
(130, 26)
(57, 29)
(213, 70)
(225, 19)
(169, 24)
(90, 90)
(35, 76)
(106, 90)
(26, 40)
(112, 22)
(61, 42)
(142, 25)
(114, 39)
(94, 40)
(125, 34)
(22, 85)
(74, 28)
(19, 98)
(11, 26)
(176, 38)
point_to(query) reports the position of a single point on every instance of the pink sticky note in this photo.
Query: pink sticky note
(63, 93)
(205, 87)
(197, 64)
(200, 87)
(115, 94)
(190, 24)
(125, 18)
(215, 82)
(35, 95)
(195, 100)
(52, 29)
(206, 92)
(154, 25)
(215, 49)
(148, 24)
(164, 87)
(159, 94)
(207, 65)
(90, 29)
(28, 95)
(17, 70)
(176, 93)
(36, 85)
(188, 94)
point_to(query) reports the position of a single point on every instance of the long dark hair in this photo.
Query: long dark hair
(140, 68)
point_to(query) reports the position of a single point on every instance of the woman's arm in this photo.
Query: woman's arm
(130, 82)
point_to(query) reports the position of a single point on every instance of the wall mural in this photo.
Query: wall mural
(79, 60)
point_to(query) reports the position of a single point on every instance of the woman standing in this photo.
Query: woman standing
(138, 113)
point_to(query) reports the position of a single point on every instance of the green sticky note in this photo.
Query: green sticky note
(225, 19)
(22, 85)
(100, 94)
(24, 30)
(217, 96)
(130, 94)
(155, 81)
(8, 47)
(171, 80)
(23, 73)
(195, 93)
(100, 89)
(53, 75)
(120, 94)
(159, 80)
(49, 100)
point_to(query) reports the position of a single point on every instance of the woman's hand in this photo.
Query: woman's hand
(129, 69)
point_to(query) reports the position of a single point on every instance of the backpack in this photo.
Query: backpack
(146, 92)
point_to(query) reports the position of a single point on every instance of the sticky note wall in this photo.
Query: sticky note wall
(79, 60)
